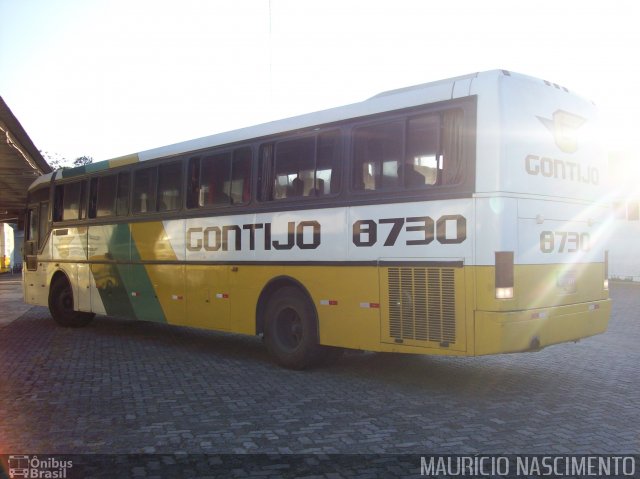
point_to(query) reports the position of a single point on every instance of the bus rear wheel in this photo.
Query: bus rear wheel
(61, 306)
(291, 329)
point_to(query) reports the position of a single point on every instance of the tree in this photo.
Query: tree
(55, 160)
(82, 160)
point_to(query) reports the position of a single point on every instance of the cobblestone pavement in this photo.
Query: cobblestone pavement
(12, 306)
(126, 387)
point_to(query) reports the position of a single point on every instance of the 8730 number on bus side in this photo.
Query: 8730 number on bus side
(564, 242)
(365, 232)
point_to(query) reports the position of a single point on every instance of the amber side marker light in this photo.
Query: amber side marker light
(504, 275)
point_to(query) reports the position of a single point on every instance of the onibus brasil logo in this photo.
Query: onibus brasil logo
(34, 467)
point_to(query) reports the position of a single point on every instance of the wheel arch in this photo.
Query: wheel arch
(272, 287)
(57, 276)
(59, 273)
(64, 314)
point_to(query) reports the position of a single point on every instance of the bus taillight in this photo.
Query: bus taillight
(504, 274)
(606, 270)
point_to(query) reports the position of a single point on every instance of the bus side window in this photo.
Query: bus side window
(43, 224)
(265, 173)
(300, 167)
(31, 240)
(93, 197)
(451, 147)
(84, 186)
(169, 186)
(240, 188)
(432, 152)
(214, 180)
(193, 183)
(327, 175)
(377, 155)
(122, 198)
(294, 167)
(58, 201)
(102, 196)
(423, 160)
(32, 232)
(144, 191)
(106, 195)
(36, 233)
(71, 201)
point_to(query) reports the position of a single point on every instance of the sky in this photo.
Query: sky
(105, 78)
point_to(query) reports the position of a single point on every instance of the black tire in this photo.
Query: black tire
(61, 306)
(291, 329)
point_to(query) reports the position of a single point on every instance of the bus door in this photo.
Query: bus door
(35, 284)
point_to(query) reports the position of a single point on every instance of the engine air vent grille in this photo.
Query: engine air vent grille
(422, 304)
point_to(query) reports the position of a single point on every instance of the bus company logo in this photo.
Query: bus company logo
(564, 128)
(34, 467)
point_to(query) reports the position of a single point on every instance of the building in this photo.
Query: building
(20, 164)
(7, 248)
(624, 228)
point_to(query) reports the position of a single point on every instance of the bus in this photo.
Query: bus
(461, 217)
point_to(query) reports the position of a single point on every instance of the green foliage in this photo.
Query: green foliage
(57, 162)
(82, 160)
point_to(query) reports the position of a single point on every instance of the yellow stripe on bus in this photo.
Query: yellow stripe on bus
(124, 160)
(152, 243)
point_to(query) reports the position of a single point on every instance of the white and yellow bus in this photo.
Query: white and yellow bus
(460, 217)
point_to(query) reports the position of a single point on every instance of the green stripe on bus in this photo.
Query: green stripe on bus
(72, 172)
(125, 289)
(110, 278)
(145, 302)
(93, 167)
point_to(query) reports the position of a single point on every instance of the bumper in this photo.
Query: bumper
(516, 331)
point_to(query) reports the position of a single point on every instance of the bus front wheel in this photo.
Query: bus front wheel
(61, 306)
(291, 329)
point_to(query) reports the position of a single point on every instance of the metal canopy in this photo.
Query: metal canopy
(20, 164)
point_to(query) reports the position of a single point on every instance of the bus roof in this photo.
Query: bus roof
(407, 97)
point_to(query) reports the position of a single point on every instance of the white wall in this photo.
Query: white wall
(624, 243)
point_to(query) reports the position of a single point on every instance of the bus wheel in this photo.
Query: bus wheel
(61, 306)
(291, 331)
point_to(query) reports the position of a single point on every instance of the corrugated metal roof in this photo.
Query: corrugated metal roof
(20, 164)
